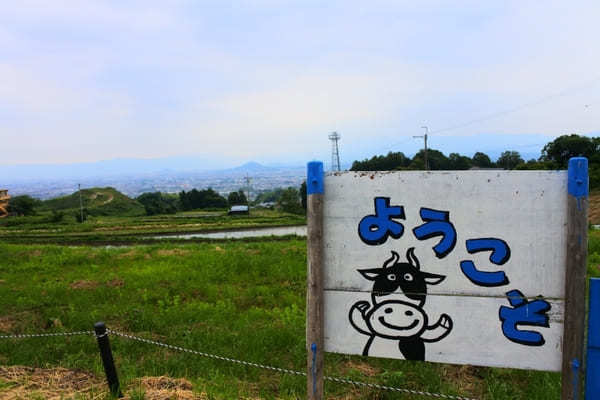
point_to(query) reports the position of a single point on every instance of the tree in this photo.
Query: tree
(458, 162)
(509, 159)
(22, 205)
(269, 196)
(57, 216)
(206, 198)
(481, 160)
(303, 195)
(157, 203)
(535, 165)
(564, 147)
(82, 216)
(389, 162)
(290, 201)
(435, 158)
(237, 198)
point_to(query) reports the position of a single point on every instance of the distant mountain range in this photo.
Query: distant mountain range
(134, 176)
(492, 144)
(122, 167)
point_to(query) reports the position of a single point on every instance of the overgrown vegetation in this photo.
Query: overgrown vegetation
(236, 299)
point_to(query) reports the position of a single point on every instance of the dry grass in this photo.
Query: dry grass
(467, 378)
(116, 283)
(165, 388)
(362, 367)
(52, 384)
(172, 252)
(129, 254)
(7, 323)
(84, 284)
(59, 383)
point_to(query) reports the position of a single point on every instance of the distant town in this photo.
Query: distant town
(252, 177)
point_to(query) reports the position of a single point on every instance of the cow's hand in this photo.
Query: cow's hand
(439, 330)
(445, 321)
(362, 306)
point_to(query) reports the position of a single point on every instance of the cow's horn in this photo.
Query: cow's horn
(412, 259)
(392, 260)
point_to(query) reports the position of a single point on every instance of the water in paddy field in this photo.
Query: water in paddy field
(246, 233)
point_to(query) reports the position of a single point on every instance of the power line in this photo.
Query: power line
(519, 107)
(503, 112)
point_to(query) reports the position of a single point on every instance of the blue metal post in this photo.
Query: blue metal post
(592, 376)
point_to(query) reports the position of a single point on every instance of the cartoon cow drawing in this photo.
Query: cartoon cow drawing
(407, 277)
(400, 321)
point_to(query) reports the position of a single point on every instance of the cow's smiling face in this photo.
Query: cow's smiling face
(395, 319)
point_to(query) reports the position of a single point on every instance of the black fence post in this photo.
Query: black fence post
(107, 359)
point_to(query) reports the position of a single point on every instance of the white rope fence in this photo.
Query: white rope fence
(240, 362)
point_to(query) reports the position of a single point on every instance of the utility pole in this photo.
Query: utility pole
(248, 192)
(425, 140)
(80, 203)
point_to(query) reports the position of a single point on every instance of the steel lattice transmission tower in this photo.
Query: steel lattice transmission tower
(335, 151)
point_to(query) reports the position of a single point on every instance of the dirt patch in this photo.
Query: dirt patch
(7, 323)
(363, 368)
(253, 252)
(172, 252)
(292, 249)
(128, 254)
(110, 198)
(84, 285)
(53, 384)
(466, 378)
(116, 283)
(594, 208)
(35, 253)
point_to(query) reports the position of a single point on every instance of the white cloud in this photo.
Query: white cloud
(96, 80)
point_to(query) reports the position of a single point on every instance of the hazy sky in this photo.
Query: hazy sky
(268, 80)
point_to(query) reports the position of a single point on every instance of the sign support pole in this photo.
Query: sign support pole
(574, 317)
(314, 295)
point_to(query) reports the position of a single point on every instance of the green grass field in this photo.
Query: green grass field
(237, 299)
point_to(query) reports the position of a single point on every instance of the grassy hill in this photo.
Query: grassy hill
(98, 201)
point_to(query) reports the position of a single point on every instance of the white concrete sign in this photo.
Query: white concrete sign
(460, 267)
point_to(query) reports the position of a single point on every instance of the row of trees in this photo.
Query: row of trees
(163, 203)
(554, 155)
(287, 199)
(437, 161)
